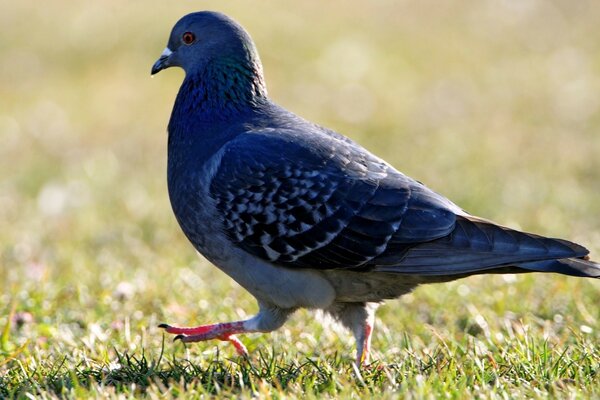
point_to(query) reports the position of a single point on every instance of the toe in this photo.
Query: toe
(179, 337)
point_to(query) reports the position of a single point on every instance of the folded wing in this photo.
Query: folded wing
(320, 205)
(324, 203)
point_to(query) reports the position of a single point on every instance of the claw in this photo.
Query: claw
(164, 326)
(178, 337)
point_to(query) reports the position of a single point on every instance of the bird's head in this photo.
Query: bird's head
(206, 37)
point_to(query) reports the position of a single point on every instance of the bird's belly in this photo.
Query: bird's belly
(270, 284)
(361, 287)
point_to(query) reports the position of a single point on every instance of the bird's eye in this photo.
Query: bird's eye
(188, 38)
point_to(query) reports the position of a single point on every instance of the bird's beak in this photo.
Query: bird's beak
(162, 62)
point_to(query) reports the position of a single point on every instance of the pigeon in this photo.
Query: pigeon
(304, 217)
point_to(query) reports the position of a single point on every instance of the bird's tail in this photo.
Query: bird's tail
(582, 267)
(476, 247)
(579, 267)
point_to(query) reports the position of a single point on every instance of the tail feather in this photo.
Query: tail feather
(567, 266)
(477, 246)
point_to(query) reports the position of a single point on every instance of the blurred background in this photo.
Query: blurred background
(495, 104)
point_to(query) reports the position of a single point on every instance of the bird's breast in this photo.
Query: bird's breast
(188, 181)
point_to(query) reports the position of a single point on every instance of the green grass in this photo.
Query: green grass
(494, 104)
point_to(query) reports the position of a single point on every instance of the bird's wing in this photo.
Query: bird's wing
(320, 202)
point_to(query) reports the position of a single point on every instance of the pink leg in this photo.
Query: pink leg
(196, 330)
(366, 344)
(365, 347)
(239, 346)
(267, 320)
(224, 331)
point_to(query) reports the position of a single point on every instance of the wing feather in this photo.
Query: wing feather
(312, 203)
(301, 205)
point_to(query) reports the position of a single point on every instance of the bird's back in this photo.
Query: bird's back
(304, 197)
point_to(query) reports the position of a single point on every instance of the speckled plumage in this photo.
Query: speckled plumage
(301, 216)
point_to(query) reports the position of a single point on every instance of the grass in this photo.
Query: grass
(494, 104)
(523, 366)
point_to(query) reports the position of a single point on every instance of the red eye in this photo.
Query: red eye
(188, 38)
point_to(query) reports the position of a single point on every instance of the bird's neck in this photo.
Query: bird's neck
(221, 90)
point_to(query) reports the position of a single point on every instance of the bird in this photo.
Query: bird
(303, 217)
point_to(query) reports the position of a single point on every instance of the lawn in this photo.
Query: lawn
(495, 104)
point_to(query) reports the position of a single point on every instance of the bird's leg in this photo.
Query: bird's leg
(359, 318)
(267, 320)
(363, 344)
(362, 333)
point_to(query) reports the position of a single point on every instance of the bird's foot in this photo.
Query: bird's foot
(224, 331)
